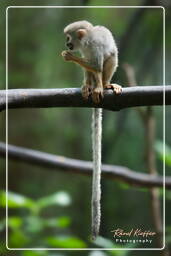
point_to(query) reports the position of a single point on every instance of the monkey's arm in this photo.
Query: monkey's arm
(94, 67)
(82, 62)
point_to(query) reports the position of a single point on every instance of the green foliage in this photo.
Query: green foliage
(35, 253)
(61, 222)
(65, 242)
(18, 239)
(15, 200)
(19, 201)
(98, 253)
(106, 243)
(159, 146)
(60, 198)
(15, 222)
(103, 242)
(33, 225)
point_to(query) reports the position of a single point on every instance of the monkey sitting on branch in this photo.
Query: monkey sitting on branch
(99, 60)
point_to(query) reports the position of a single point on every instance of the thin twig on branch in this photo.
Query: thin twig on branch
(57, 163)
(71, 97)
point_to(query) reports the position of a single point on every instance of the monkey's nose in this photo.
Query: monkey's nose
(70, 46)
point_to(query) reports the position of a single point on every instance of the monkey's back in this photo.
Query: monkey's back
(101, 39)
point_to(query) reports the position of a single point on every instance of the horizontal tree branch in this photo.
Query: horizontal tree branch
(83, 167)
(71, 97)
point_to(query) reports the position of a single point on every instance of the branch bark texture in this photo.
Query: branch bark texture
(67, 165)
(71, 97)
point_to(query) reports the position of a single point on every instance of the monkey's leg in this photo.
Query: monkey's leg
(98, 90)
(88, 84)
(109, 69)
(82, 62)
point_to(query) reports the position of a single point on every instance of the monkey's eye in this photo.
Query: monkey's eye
(67, 38)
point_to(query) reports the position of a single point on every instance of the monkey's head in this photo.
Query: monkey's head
(75, 32)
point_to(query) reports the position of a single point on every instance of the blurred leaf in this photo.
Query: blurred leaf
(65, 242)
(59, 198)
(64, 222)
(107, 243)
(61, 222)
(104, 242)
(97, 253)
(3, 248)
(15, 200)
(159, 150)
(15, 222)
(119, 252)
(57, 254)
(17, 239)
(123, 185)
(34, 253)
(34, 224)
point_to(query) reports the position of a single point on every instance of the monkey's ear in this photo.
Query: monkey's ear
(81, 33)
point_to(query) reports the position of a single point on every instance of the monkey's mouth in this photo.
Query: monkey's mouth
(70, 46)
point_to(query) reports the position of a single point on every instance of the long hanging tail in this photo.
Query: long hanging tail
(96, 187)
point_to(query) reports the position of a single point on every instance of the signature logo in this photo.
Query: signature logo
(133, 235)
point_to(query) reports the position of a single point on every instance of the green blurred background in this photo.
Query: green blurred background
(52, 208)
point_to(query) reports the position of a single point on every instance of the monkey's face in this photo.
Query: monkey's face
(73, 42)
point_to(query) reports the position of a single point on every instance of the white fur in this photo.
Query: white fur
(98, 39)
(77, 25)
(96, 187)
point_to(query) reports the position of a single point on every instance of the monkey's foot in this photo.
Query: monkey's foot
(86, 91)
(116, 87)
(97, 94)
(67, 55)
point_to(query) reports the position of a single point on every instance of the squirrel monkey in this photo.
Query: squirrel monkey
(99, 60)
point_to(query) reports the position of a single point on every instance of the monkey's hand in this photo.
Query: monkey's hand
(67, 55)
(115, 87)
(97, 94)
